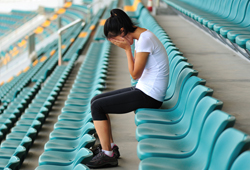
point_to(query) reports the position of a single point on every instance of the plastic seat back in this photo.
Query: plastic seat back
(171, 101)
(83, 156)
(87, 141)
(81, 167)
(241, 12)
(194, 98)
(203, 109)
(13, 163)
(242, 162)
(228, 146)
(175, 78)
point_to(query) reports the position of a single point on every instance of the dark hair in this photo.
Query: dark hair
(117, 20)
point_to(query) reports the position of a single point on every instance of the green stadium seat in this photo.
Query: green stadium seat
(227, 147)
(214, 125)
(242, 161)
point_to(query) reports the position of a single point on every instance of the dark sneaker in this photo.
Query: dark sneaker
(98, 149)
(116, 151)
(102, 160)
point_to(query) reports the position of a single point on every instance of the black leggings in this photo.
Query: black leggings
(121, 101)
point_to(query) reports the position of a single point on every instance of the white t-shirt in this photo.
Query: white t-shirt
(154, 79)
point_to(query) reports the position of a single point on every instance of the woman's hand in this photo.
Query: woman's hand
(121, 42)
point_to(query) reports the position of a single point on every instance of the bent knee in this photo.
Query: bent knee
(97, 111)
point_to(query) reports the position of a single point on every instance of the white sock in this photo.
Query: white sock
(109, 153)
(112, 145)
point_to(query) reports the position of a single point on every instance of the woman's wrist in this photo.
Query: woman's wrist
(128, 49)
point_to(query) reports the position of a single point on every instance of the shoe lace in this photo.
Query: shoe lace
(98, 156)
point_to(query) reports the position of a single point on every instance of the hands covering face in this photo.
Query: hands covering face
(121, 42)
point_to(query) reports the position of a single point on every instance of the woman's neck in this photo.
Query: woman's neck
(136, 34)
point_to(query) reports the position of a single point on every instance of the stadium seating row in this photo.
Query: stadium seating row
(68, 14)
(226, 20)
(74, 124)
(83, 37)
(26, 129)
(48, 59)
(40, 68)
(70, 138)
(189, 131)
(13, 20)
(31, 121)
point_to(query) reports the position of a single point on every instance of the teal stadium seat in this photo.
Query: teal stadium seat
(226, 20)
(214, 125)
(64, 160)
(65, 145)
(242, 162)
(185, 128)
(228, 146)
(186, 105)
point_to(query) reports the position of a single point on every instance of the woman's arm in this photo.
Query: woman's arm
(135, 65)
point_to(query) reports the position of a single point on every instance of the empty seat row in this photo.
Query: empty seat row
(46, 29)
(189, 131)
(25, 131)
(226, 20)
(72, 134)
(83, 37)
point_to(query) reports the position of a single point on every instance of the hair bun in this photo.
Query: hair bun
(112, 14)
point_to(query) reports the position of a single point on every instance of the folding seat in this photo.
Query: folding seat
(81, 167)
(73, 116)
(25, 123)
(11, 116)
(9, 163)
(171, 48)
(73, 125)
(186, 104)
(236, 17)
(173, 54)
(243, 25)
(83, 97)
(182, 128)
(30, 117)
(214, 125)
(19, 132)
(177, 84)
(63, 161)
(13, 144)
(74, 109)
(19, 152)
(42, 110)
(85, 141)
(211, 152)
(242, 162)
(88, 128)
(7, 122)
(222, 14)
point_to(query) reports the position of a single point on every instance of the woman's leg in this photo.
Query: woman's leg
(111, 93)
(103, 131)
(115, 92)
(110, 130)
(117, 103)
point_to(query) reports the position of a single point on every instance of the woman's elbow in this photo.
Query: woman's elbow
(136, 77)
